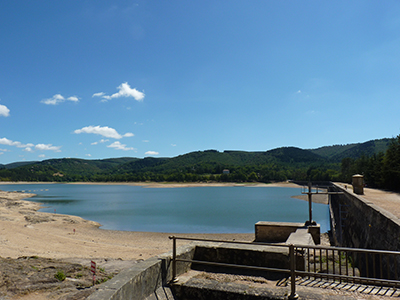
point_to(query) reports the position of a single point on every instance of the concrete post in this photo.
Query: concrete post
(292, 258)
(358, 184)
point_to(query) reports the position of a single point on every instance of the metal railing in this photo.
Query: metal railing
(341, 265)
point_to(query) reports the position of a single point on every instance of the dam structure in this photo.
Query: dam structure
(285, 261)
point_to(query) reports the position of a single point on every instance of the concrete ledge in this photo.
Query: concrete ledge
(279, 232)
(249, 255)
(143, 279)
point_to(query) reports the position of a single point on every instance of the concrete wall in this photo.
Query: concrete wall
(358, 223)
(279, 232)
(143, 279)
(250, 255)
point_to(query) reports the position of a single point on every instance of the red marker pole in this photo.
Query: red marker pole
(93, 269)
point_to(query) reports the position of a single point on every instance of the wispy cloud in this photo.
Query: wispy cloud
(118, 146)
(101, 141)
(4, 111)
(29, 147)
(57, 99)
(105, 131)
(152, 153)
(48, 147)
(98, 94)
(124, 90)
(5, 141)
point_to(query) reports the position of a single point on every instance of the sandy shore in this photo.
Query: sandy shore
(26, 232)
(168, 184)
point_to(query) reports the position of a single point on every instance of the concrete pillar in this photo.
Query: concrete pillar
(358, 184)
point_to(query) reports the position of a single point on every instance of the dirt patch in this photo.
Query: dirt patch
(58, 279)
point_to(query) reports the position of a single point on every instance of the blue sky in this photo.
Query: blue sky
(100, 79)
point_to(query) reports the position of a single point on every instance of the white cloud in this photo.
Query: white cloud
(101, 141)
(152, 153)
(73, 99)
(89, 155)
(4, 111)
(48, 147)
(29, 147)
(57, 99)
(5, 141)
(42, 156)
(118, 146)
(98, 94)
(104, 131)
(124, 91)
(173, 145)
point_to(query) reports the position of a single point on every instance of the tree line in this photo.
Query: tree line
(380, 170)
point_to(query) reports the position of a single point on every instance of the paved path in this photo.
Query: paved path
(389, 201)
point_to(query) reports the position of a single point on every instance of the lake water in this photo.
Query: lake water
(178, 210)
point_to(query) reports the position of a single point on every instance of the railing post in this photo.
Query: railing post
(173, 258)
(292, 259)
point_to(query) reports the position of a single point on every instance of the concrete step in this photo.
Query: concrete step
(300, 237)
(162, 293)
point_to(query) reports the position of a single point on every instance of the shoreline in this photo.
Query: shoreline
(165, 184)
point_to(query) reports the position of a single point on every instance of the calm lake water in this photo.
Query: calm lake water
(178, 210)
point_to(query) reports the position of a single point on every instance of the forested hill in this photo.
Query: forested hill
(277, 164)
(338, 152)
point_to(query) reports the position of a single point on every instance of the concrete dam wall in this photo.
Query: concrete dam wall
(358, 223)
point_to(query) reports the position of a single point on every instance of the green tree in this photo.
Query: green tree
(391, 165)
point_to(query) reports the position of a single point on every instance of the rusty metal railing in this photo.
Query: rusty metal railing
(365, 266)
(342, 265)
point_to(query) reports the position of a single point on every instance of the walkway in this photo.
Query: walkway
(389, 201)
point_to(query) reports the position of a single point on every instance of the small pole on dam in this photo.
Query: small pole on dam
(309, 203)
(310, 193)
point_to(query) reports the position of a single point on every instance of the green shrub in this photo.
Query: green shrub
(60, 275)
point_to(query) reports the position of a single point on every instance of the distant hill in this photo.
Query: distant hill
(338, 152)
(276, 164)
(17, 164)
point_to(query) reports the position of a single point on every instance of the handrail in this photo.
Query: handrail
(319, 261)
